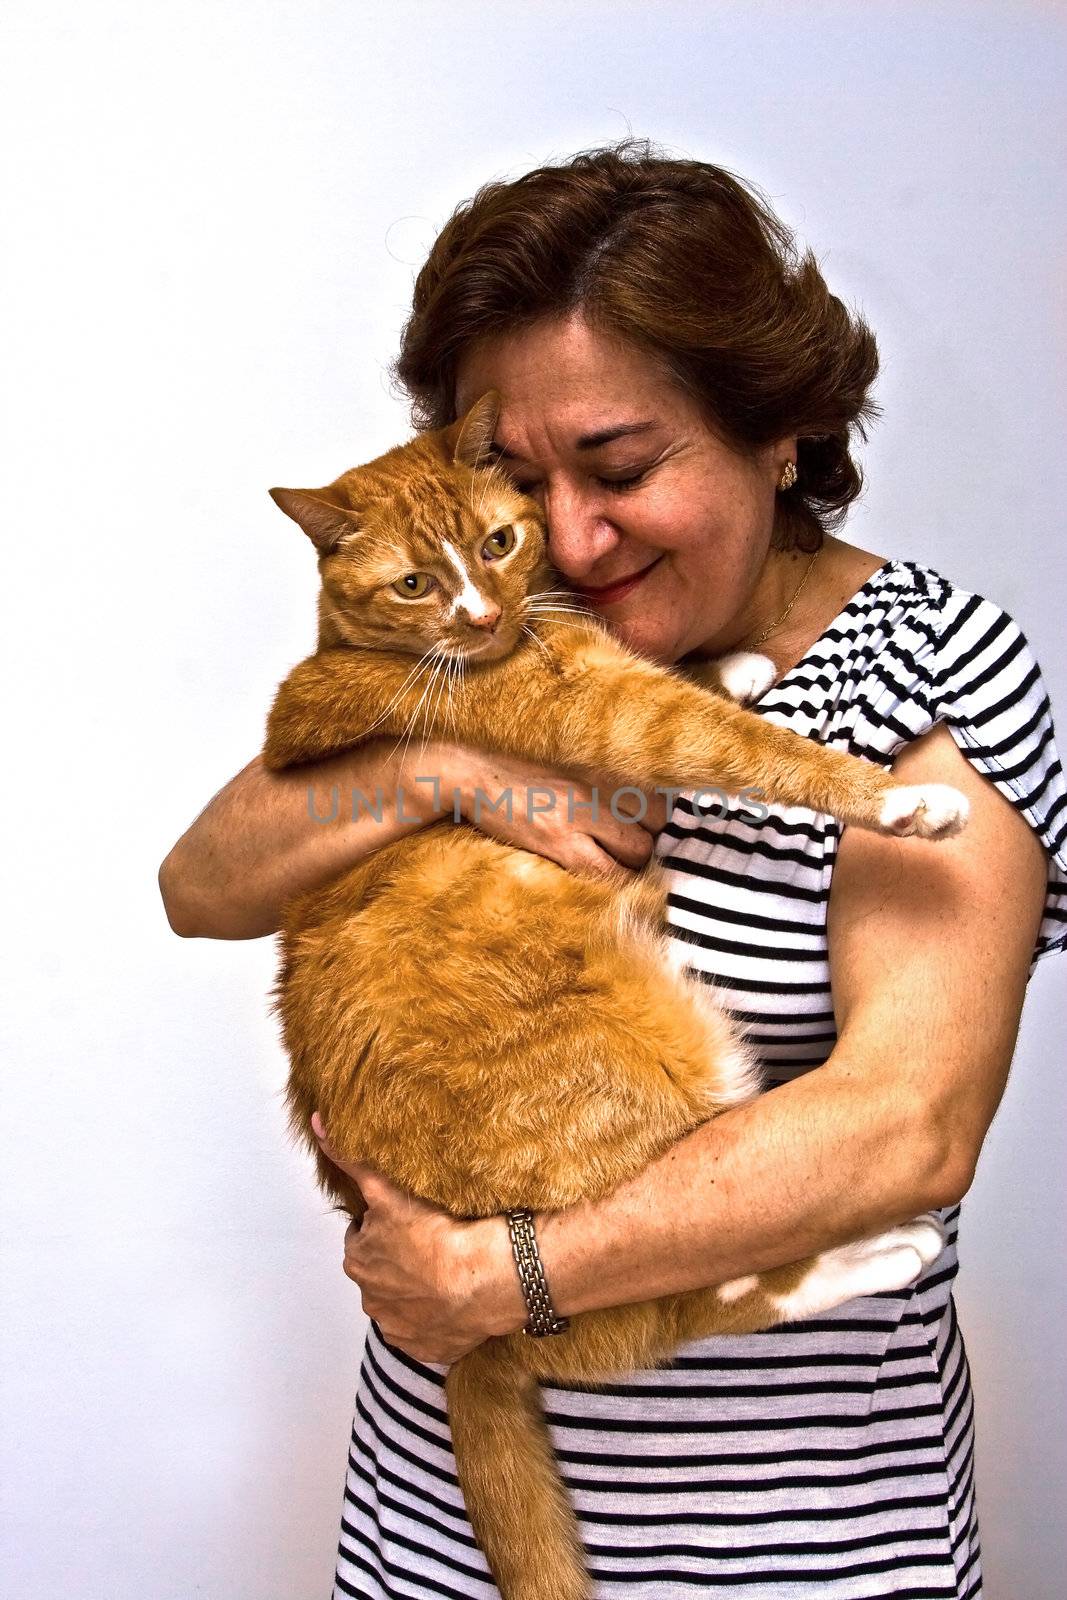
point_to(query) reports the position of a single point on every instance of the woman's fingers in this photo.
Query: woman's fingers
(649, 808)
(584, 826)
(582, 855)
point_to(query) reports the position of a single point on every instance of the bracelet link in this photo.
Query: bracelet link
(543, 1319)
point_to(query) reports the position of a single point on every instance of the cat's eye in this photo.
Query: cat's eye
(413, 585)
(499, 542)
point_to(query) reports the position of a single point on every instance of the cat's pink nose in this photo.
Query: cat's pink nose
(486, 619)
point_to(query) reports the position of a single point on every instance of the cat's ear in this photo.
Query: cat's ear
(474, 433)
(325, 524)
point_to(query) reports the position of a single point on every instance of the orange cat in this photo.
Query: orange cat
(485, 1028)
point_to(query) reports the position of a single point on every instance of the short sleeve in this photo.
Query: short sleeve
(979, 676)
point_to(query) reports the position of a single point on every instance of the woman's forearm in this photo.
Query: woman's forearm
(257, 843)
(812, 1164)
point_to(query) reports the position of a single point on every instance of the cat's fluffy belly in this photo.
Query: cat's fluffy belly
(523, 1036)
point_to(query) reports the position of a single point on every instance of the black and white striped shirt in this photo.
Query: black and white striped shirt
(832, 1458)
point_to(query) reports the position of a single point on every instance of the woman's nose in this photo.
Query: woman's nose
(578, 532)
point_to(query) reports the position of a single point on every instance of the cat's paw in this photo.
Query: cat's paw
(890, 1261)
(924, 811)
(746, 676)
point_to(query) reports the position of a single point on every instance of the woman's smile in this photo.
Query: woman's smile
(609, 593)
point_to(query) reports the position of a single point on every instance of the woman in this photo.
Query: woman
(679, 392)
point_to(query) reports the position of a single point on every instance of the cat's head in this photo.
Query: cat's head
(426, 546)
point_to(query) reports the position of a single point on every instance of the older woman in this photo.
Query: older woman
(680, 390)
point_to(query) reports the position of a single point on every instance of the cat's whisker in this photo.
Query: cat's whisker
(412, 676)
(537, 604)
(578, 627)
(550, 594)
(584, 618)
(444, 683)
(544, 602)
(430, 696)
(540, 643)
(399, 693)
(441, 708)
(433, 711)
(453, 666)
(407, 730)
(562, 611)
(413, 723)
(461, 676)
(455, 673)
(435, 651)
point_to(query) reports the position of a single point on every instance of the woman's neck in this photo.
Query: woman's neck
(838, 573)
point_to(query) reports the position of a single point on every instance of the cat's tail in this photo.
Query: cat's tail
(518, 1507)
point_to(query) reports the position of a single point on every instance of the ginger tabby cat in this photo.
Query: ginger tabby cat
(485, 1028)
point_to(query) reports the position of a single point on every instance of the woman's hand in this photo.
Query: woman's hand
(550, 812)
(437, 1288)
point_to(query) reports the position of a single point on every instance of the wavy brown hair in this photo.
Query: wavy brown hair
(683, 259)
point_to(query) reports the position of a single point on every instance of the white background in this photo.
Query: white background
(214, 212)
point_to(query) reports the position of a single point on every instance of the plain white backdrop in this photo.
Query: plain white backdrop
(214, 213)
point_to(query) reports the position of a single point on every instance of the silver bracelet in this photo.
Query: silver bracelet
(543, 1319)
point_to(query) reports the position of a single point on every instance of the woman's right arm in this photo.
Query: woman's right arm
(257, 843)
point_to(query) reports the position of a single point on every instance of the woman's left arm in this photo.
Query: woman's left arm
(930, 947)
(930, 951)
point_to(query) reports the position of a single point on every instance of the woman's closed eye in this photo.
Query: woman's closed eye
(629, 481)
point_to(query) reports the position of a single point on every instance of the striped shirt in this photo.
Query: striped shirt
(831, 1458)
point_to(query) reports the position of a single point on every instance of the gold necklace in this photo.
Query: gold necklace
(807, 574)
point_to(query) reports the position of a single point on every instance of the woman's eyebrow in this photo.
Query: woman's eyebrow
(588, 441)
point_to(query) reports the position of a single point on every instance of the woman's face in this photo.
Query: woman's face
(660, 527)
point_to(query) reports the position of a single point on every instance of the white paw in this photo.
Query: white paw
(890, 1261)
(746, 676)
(925, 811)
(737, 1288)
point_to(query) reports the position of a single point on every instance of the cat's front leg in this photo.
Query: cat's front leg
(334, 700)
(654, 728)
(931, 811)
(339, 698)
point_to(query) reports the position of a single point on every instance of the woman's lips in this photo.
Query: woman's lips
(618, 590)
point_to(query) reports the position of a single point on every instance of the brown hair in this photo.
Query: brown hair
(685, 260)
